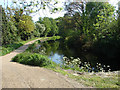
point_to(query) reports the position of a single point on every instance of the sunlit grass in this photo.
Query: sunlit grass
(92, 80)
(86, 79)
(5, 49)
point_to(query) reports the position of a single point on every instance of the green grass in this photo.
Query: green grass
(87, 80)
(32, 59)
(97, 81)
(54, 38)
(91, 80)
(5, 49)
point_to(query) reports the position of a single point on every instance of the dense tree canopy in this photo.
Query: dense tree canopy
(86, 25)
(9, 31)
(91, 26)
(25, 26)
(87, 14)
(51, 27)
(40, 29)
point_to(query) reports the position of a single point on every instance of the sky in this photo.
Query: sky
(46, 13)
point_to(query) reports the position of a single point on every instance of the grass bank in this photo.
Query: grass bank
(5, 49)
(98, 80)
(94, 79)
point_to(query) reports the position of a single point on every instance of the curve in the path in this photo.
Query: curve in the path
(15, 75)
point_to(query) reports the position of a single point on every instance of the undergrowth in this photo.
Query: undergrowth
(32, 59)
(5, 49)
(88, 80)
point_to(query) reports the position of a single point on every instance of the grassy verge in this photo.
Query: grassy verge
(32, 59)
(97, 80)
(87, 79)
(10, 47)
(93, 80)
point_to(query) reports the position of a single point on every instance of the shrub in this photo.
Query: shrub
(32, 59)
(54, 38)
(9, 47)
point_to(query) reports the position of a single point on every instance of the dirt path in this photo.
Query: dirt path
(15, 75)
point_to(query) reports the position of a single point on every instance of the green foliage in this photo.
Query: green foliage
(32, 59)
(45, 47)
(25, 26)
(16, 26)
(92, 80)
(66, 26)
(31, 46)
(39, 30)
(54, 28)
(28, 7)
(94, 8)
(9, 35)
(51, 28)
(47, 24)
(5, 49)
(54, 38)
(87, 23)
(9, 31)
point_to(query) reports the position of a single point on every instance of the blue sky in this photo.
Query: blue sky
(46, 13)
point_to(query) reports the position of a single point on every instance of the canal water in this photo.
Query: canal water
(56, 50)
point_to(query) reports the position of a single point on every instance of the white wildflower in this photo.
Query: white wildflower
(99, 64)
(71, 57)
(64, 58)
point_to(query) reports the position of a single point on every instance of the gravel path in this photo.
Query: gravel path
(15, 75)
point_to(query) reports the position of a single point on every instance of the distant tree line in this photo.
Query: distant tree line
(16, 26)
(50, 25)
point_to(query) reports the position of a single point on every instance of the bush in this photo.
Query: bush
(54, 38)
(33, 59)
(5, 49)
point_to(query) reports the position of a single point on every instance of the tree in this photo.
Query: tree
(66, 25)
(4, 27)
(39, 30)
(86, 15)
(47, 24)
(9, 31)
(103, 21)
(40, 20)
(54, 28)
(25, 27)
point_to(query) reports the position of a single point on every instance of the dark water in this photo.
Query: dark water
(56, 50)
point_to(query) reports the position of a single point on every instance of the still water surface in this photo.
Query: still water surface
(56, 50)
